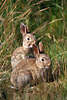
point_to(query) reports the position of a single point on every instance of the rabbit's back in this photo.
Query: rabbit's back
(19, 50)
(17, 56)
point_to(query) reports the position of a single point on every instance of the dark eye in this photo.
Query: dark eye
(28, 38)
(42, 59)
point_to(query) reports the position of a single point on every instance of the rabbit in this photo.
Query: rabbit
(30, 70)
(21, 52)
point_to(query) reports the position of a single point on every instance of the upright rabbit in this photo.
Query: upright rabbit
(30, 70)
(21, 52)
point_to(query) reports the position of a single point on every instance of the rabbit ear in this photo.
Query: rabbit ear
(23, 29)
(41, 48)
(36, 51)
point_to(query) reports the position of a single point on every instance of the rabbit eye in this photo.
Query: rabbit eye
(28, 38)
(42, 59)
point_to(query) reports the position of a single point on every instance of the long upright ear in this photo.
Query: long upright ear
(23, 29)
(41, 48)
(36, 51)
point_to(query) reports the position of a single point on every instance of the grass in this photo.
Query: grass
(47, 19)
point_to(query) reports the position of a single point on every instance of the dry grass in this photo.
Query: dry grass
(47, 19)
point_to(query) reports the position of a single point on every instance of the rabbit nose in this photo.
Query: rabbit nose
(32, 43)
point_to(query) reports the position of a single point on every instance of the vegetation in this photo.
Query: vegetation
(47, 19)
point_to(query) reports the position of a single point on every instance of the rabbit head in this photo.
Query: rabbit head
(42, 60)
(28, 39)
